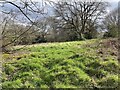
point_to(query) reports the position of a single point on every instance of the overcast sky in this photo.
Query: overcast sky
(113, 3)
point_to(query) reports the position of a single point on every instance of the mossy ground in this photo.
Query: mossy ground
(78, 64)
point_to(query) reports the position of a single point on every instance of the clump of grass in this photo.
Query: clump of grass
(111, 66)
(109, 81)
(9, 69)
(96, 73)
(5, 56)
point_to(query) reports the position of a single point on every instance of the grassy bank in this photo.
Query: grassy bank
(78, 64)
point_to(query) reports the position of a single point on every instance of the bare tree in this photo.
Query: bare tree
(22, 13)
(75, 15)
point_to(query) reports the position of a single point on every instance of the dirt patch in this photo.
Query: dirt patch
(108, 47)
(110, 43)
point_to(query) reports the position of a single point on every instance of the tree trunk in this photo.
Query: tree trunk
(80, 36)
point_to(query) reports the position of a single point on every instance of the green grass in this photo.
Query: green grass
(78, 64)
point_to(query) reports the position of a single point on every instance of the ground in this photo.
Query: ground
(79, 64)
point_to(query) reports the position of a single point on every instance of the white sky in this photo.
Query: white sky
(70, 0)
(81, 0)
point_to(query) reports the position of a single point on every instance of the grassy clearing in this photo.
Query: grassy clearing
(62, 65)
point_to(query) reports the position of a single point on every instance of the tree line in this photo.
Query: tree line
(70, 21)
